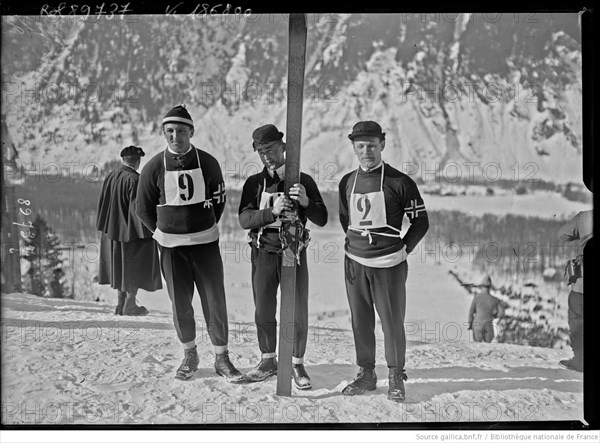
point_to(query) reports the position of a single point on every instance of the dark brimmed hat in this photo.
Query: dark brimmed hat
(130, 151)
(486, 281)
(368, 129)
(178, 115)
(265, 136)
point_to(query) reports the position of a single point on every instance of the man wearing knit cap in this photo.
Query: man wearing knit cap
(128, 254)
(484, 308)
(181, 197)
(262, 205)
(373, 201)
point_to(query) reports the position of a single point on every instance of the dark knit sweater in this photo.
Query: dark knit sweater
(400, 192)
(180, 219)
(253, 218)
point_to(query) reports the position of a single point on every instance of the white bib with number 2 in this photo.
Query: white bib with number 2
(367, 211)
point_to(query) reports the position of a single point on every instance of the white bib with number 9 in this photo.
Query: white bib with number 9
(184, 187)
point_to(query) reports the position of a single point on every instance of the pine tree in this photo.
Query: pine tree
(42, 251)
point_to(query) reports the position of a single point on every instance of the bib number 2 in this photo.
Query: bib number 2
(364, 210)
(186, 184)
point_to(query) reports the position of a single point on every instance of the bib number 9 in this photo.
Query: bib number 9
(186, 184)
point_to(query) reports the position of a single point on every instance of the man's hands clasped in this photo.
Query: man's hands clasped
(284, 204)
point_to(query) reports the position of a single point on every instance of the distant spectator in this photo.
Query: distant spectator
(579, 230)
(484, 308)
(55, 287)
(31, 284)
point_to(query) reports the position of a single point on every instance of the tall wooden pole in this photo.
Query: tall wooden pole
(291, 225)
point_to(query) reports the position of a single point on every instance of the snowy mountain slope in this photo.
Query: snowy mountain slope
(446, 91)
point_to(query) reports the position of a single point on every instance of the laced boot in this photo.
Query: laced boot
(189, 365)
(225, 368)
(266, 368)
(396, 379)
(366, 380)
(131, 307)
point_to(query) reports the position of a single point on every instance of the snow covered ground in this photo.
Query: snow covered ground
(67, 361)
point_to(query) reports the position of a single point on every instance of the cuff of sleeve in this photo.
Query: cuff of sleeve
(268, 216)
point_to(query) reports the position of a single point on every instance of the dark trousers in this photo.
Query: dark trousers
(576, 324)
(183, 266)
(483, 331)
(266, 276)
(385, 290)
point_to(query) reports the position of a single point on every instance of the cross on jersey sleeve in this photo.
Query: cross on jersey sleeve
(414, 209)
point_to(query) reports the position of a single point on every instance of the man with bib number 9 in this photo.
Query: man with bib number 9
(373, 201)
(181, 197)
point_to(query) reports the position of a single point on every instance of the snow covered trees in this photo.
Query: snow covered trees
(44, 276)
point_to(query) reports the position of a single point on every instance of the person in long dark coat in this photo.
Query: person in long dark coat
(128, 253)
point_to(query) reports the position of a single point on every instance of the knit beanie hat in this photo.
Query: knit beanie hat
(178, 115)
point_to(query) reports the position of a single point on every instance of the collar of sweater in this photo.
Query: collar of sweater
(376, 168)
(180, 153)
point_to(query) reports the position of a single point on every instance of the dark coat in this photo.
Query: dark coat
(116, 207)
(128, 253)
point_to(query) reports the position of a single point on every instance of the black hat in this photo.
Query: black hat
(486, 282)
(130, 151)
(178, 115)
(367, 128)
(265, 136)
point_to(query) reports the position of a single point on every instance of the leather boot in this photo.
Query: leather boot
(120, 302)
(301, 378)
(131, 307)
(225, 368)
(266, 368)
(189, 365)
(366, 380)
(396, 379)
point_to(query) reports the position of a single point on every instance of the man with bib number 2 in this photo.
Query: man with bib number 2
(181, 197)
(373, 201)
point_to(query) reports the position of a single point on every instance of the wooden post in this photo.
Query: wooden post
(287, 324)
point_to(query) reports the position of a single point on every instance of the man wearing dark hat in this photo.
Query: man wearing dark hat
(128, 254)
(181, 197)
(373, 201)
(484, 308)
(262, 205)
